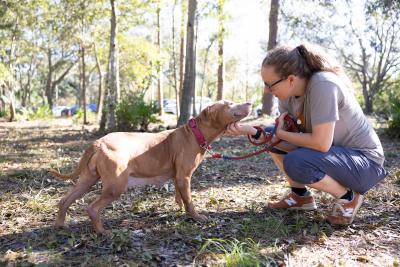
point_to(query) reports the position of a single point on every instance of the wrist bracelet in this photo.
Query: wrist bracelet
(257, 135)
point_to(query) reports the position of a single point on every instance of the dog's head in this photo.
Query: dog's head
(222, 113)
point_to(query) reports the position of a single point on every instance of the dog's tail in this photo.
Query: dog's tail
(87, 155)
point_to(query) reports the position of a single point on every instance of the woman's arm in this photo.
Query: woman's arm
(320, 139)
(240, 129)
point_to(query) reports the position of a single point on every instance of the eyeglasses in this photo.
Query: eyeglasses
(275, 83)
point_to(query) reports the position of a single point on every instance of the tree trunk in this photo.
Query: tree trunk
(182, 54)
(48, 92)
(113, 79)
(174, 63)
(195, 111)
(221, 33)
(268, 98)
(220, 92)
(83, 84)
(100, 98)
(204, 70)
(2, 102)
(160, 91)
(189, 65)
(50, 84)
(12, 104)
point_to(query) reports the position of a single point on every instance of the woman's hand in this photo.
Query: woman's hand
(240, 129)
(281, 123)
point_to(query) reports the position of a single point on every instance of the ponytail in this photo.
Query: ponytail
(303, 61)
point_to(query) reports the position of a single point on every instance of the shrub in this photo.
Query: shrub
(394, 120)
(133, 113)
(2, 113)
(43, 112)
(90, 116)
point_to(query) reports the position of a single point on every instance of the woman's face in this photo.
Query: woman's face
(281, 87)
(273, 83)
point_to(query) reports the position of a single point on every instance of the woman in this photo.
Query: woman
(337, 152)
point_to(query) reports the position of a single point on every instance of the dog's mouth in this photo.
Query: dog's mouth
(239, 115)
(241, 111)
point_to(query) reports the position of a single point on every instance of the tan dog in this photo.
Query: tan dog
(123, 160)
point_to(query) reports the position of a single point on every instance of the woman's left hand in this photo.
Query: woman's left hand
(281, 123)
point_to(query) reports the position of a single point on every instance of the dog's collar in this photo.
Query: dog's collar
(198, 134)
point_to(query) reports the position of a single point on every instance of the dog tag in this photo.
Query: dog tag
(298, 122)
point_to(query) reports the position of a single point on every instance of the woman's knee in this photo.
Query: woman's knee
(299, 168)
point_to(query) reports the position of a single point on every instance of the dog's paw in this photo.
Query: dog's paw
(59, 225)
(106, 233)
(200, 218)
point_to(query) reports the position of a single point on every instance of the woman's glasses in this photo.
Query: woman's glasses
(275, 83)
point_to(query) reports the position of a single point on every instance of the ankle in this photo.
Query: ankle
(349, 195)
(301, 191)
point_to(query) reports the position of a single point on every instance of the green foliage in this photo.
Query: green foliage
(78, 117)
(138, 59)
(133, 113)
(394, 121)
(5, 74)
(396, 174)
(236, 253)
(43, 112)
(3, 114)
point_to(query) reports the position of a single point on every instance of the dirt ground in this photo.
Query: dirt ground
(149, 230)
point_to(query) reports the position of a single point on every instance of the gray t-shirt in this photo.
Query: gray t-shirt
(328, 99)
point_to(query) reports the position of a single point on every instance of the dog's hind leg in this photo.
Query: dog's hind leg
(112, 189)
(84, 183)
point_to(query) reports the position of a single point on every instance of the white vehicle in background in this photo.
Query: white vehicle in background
(56, 110)
(170, 104)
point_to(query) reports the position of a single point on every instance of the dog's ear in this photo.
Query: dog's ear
(205, 114)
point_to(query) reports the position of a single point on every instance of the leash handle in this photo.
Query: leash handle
(266, 137)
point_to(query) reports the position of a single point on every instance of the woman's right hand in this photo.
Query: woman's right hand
(240, 129)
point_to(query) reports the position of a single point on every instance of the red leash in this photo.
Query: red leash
(289, 125)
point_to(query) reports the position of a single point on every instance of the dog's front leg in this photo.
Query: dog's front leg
(183, 186)
(178, 198)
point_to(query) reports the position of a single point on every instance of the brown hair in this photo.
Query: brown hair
(303, 61)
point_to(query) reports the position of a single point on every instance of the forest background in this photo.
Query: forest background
(110, 54)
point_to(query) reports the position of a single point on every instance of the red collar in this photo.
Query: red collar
(198, 134)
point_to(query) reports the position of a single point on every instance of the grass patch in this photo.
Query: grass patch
(397, 176)
(257, 225)
(187, 227)
(40, 202)
(236, 253)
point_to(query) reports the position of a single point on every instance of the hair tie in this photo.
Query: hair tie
(301, 50)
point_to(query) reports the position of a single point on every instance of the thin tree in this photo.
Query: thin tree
(220, 36)
(268, 98)
(83, 82)
(100, 99)
(188, 83)
(174, 62)
(160, 91)
(212, 40)
(182, 52)
(113, 73)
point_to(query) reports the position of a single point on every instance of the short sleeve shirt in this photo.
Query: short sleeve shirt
(328, 99)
